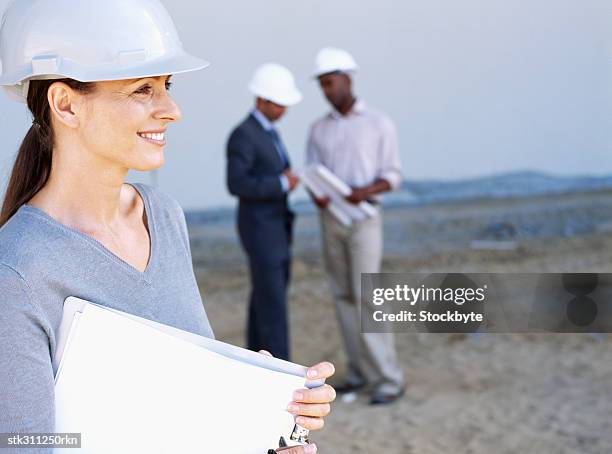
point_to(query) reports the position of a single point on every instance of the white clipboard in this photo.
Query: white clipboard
(74, 307)
(87, 387)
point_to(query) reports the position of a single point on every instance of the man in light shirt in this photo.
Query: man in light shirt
(359, 145)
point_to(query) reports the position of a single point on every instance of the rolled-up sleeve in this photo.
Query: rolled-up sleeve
(27, 399)
(390, 165)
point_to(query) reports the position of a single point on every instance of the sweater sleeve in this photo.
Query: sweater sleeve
(26, 374)
(180, 216)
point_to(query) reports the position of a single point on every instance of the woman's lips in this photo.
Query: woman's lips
(157, 138)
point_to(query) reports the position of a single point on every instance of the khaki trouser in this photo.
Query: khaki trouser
(348, 252)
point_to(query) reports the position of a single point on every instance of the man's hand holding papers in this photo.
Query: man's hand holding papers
(321, 202)
(364, 193)
(358, 195)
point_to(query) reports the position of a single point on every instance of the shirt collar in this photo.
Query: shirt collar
(358, 108)
(263, 121)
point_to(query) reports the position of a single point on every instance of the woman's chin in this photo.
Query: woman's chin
(149, 164)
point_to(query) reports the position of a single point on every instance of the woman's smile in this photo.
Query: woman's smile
(155, 137)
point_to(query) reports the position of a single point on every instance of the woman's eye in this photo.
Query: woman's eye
(148, 89)
(145, 90)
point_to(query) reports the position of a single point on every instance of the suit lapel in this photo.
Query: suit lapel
(267, 141)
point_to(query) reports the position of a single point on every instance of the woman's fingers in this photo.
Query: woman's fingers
(306, 449)
(319, 395)
(321, 370)
(310, 405)
(310, 423)
(265, 352)
(318, 410)
(309, 415)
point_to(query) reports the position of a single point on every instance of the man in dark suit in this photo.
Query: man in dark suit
(259, 174)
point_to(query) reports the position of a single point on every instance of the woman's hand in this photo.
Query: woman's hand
(306, 449)
(309, 406)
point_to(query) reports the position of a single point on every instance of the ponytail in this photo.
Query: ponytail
(33, 162)
(30, 172)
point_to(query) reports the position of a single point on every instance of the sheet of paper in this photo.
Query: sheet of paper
(311, 181)
(322, 182)
(339, 214)
(336, 183)
(130, 388)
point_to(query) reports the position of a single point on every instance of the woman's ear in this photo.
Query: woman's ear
(64, 103)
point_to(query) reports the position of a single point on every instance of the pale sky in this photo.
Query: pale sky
(475, 87)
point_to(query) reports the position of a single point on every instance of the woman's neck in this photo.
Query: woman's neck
(83, 193)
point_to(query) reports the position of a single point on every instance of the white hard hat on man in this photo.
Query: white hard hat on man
(332, 59)
(109, 40)
(274, 82)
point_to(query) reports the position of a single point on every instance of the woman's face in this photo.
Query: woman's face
(125, 121)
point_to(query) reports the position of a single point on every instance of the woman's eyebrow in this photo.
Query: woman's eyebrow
(133, 81)
(131, 84)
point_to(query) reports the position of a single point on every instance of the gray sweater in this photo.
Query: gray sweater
(43, 261)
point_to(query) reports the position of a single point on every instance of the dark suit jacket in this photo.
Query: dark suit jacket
(253, 169)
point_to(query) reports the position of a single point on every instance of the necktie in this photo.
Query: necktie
(280, 148)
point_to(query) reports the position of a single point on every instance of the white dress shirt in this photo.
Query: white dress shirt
(359, 147)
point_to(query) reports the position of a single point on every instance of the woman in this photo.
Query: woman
(98, 93)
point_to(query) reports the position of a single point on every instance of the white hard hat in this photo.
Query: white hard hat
(88, 40)
(331, 59)
(275, 83)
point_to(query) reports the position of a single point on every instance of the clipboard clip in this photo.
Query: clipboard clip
(299, 436)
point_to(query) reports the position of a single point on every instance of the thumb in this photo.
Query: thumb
(306, 449)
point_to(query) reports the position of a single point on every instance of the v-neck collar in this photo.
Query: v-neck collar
(144, 275)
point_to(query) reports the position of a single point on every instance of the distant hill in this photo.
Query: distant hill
(516, 184)
(506, 185)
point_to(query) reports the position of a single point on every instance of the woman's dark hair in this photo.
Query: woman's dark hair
(33, 162)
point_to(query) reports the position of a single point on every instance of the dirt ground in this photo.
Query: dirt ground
(474, 394)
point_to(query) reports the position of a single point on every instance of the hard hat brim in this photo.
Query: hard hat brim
(322, 72)
(175, 64)
(288, 100)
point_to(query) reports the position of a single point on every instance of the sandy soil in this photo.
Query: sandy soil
(489, 393)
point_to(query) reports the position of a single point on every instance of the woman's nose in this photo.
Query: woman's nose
(168, 109)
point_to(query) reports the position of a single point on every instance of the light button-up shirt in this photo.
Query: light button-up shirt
(359, 147)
